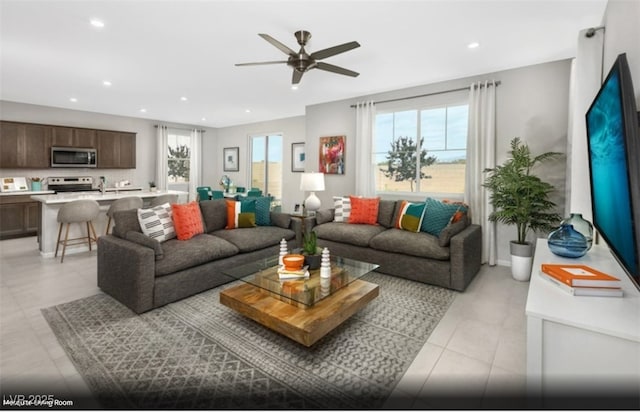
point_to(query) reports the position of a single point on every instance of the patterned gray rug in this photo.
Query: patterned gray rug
(198, 354)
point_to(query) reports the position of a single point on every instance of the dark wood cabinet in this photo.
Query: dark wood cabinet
(28, 145)
(19, 216)
(24, 145)
(116, 150)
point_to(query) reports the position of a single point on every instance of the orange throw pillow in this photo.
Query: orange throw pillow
(187, 220)
(364, 210)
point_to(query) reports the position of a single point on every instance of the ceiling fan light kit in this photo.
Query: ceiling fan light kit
(301, 62)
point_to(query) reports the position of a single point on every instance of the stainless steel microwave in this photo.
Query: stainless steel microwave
(73, 157)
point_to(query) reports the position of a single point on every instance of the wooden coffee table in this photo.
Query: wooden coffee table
(303, 310)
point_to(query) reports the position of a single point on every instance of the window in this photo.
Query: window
(266, 164)
(434, 163)
(178, 163)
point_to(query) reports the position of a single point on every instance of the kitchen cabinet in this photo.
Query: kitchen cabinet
(19, 216)
(24, 145)
(116, 150)
(73, 137)
(28, 145)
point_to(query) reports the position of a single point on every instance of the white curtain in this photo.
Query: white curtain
(162, 170)
(195, 177)
(365, 121)
(481, 154)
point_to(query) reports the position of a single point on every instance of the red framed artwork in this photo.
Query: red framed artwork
(332, 157)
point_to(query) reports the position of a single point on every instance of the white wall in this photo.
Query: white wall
(532, 103)
(292, 130)
(145, 140)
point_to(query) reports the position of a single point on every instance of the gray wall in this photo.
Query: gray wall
(532, 103)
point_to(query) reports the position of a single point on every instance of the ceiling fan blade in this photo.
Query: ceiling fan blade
(260, 63)
(277, 44)
(297, 76)
(332, 51)
(336, 69)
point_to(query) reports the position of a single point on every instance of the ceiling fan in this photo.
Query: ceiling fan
(302, 62)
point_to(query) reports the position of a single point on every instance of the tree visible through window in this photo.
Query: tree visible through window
(178, 158)
(421, 150)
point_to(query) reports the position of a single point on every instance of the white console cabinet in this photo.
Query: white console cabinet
(581, 347)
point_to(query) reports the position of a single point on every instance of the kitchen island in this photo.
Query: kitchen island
(51, 204)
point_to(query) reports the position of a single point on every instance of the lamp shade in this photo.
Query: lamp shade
(312, 182)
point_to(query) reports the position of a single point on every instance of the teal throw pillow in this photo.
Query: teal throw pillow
(410, 216)
(262, 209)
(437, 216)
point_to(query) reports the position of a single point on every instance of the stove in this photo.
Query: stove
(71, 184)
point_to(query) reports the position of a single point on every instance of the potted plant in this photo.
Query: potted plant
(521, 198)
(310, 250)
(152, 186)
(36, 184)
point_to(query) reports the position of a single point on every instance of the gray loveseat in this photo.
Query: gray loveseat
(144, 274)
(450, 260)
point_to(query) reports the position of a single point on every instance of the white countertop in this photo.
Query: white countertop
(61, 198)
(27, 192)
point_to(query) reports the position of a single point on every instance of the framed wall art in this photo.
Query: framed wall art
(230, 159)
(332, 155)
(297, 157)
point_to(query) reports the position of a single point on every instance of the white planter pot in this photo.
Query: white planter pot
(521, 260)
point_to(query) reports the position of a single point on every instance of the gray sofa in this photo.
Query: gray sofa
(144, 274)
(450, 260)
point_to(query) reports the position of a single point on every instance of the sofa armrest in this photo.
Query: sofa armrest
(126, 271)
(466, 254)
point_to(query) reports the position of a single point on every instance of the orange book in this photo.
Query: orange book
(580, 276)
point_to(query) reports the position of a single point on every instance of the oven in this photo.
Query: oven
(71, 184)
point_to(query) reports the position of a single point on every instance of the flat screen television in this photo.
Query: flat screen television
(613, 139)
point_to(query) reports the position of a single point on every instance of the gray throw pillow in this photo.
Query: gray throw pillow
(451, 230)
(282, 220)
(324, 216)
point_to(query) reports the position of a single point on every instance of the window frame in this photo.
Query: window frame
(266, 136)
(184, 134)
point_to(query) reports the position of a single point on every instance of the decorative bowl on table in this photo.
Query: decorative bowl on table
(293, 261)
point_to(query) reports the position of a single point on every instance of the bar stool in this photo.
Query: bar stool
(78, 211)
(126, 203)
(163, 199)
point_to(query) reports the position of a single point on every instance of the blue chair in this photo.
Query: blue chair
(217, 194)
(240, 189)
(254, 193)
(203, 194)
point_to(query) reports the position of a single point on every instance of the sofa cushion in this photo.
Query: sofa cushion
(214, 214)
(437, 215)
(358, 235)
(260, 237)
(324, 216)
(282, 220)
(262, 208)
(187, 220)
(342, 206)
(157, 222)
(418, 244)
(235, 209)
(203, 248)
(144, 240)
(125, 221)
(364, 210)
(410, 216)
(453, 229)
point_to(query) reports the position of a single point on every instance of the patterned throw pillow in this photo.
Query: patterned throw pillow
(187, 220)
(438, 215)
(342, 206)
(157, 223)
(237, 214)
(410, 216)
(364, 210)
(262, 210)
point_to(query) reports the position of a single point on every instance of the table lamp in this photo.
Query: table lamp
(312, 182)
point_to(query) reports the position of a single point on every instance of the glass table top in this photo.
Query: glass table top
(263, 273)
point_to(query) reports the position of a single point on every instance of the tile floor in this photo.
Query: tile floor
(475, 355)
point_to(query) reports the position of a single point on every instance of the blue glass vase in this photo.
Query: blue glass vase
(567, 242)
(581, 225)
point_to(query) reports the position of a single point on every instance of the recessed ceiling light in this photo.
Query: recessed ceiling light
(106, 83)
(247, 111)
(294, 87)
(473, 45)
(203, 119)
(97, 23)
(73, 100)
(184, 99)
(143, 110)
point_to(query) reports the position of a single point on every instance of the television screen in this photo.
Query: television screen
(612, 135)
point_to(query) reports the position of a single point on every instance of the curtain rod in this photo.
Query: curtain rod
(495, 83)
(179, 128)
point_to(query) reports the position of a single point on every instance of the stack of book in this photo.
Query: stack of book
(582, 280)
(284, 274)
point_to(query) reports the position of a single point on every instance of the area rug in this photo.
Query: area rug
(199, 354)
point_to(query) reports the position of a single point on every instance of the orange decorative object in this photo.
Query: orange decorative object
(293, 262)
(364, 210)
(187, 220)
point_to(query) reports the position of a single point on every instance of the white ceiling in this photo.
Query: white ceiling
(155, 52)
